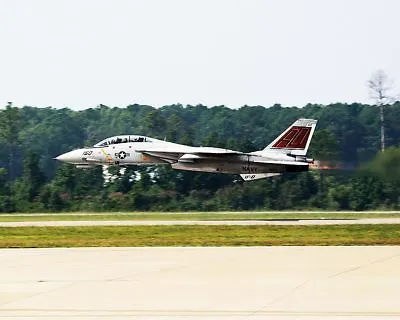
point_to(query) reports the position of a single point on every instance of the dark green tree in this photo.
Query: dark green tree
(33, 178)
(10, 127)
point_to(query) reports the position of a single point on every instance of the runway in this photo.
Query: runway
(204, 222)
(284, 283)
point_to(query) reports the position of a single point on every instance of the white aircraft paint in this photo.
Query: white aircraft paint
(287, 153)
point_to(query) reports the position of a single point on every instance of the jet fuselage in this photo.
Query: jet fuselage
(287, 153)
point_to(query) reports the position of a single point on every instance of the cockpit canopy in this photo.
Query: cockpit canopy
(122, 139)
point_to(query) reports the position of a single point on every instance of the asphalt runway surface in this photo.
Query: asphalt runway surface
(284, 283)
(213, 222)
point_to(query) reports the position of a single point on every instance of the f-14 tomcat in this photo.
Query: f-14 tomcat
(287, 153)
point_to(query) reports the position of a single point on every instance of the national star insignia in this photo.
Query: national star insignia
(122, 154)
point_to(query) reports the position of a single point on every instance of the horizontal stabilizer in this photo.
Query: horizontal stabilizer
(250, 176)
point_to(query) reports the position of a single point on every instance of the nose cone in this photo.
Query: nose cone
(74, 157)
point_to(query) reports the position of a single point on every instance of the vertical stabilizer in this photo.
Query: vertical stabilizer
(294, 140)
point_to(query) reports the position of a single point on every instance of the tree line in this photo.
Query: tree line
(347, 137)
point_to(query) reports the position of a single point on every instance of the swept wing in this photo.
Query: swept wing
(183, 153)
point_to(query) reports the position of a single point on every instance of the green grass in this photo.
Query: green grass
(137, 236)
(198, 216)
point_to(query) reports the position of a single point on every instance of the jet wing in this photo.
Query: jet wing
(189, 154)
(186, 153)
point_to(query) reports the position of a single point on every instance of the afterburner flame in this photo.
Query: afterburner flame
(326, 165)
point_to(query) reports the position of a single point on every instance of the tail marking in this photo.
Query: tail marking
(295, 138)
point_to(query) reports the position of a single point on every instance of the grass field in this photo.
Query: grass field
(198, 216)
(35, 237)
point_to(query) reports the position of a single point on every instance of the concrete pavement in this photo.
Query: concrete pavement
(201, 283)
(195, 222)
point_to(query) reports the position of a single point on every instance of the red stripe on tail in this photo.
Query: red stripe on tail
(295, 138)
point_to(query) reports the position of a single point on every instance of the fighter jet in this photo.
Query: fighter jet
(287, 153)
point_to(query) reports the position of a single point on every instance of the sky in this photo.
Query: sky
(83, 53)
